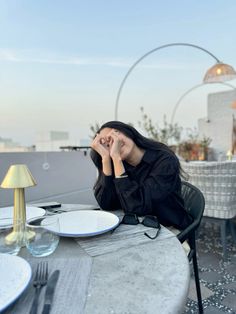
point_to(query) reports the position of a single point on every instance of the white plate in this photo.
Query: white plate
(86, 223)
(15, 274)
(31, 212)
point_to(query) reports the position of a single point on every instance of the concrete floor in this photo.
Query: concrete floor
(217, 277)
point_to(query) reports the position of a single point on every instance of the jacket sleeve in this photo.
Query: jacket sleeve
(105, 193)
(140, 197)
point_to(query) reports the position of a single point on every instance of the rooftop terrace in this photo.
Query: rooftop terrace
(68, 177)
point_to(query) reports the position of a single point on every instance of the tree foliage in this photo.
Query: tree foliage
(165, 134)
(190, 148)
(94, 129)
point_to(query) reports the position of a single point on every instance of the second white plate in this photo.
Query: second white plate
(31, 212)
(86, 223)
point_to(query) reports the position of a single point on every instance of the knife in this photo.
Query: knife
(51, 285)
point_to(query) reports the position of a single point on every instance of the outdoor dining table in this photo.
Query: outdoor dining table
(120, 272)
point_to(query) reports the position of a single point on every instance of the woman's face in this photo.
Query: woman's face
(126, 144)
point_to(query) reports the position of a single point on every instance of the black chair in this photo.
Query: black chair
(194, 203)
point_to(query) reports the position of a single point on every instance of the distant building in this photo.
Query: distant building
(52, 140)
(219, 123)
(8, 145)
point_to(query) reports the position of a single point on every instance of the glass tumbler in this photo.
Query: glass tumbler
(10, 236)
(42, 237)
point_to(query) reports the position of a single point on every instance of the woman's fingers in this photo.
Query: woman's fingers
(100, 145)
(110, 144)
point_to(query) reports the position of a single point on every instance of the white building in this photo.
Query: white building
(52, 140)
(218, 125)
(8, 145)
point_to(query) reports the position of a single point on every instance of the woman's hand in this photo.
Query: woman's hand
(115, 144)
(101, 146)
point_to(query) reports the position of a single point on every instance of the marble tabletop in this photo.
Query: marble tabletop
(122, 272)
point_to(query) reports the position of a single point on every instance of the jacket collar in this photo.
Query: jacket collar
(150, 156)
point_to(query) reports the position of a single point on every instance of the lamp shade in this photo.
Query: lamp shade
(220, 72)
(18, 176)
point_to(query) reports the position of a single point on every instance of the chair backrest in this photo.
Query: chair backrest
(194, 202)
(217, 181)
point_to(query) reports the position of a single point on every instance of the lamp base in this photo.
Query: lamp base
(19, 233)
(19, 237)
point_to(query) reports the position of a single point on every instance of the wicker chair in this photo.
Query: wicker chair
(217, 181)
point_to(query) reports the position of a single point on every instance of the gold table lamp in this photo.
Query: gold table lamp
(18, 177)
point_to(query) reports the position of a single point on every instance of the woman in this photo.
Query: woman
(138, 175)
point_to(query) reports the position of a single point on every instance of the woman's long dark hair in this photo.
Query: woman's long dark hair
(140, 140)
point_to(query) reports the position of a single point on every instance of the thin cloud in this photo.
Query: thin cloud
(8, 55)
(16, 56)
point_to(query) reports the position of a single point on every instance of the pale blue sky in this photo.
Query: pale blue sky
(61, 62)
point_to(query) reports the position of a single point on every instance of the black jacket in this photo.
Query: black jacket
(153, 187)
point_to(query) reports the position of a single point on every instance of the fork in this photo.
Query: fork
(39, 281)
